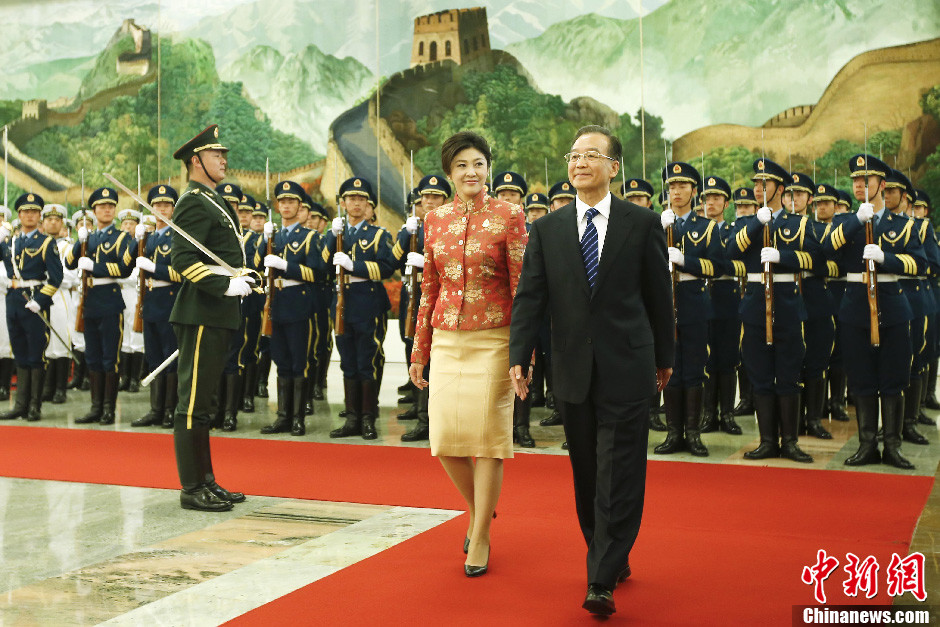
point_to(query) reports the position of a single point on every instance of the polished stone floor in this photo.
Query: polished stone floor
(81, 554)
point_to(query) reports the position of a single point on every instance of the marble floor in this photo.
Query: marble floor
(82, 554)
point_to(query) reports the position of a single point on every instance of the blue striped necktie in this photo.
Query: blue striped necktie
(589, 250)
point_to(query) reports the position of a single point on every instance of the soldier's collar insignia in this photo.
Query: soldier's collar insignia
(433, 180)
(676, 169)
(357, 183)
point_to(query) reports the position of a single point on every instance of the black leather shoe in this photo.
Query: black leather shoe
(59, 397)
(765, 450)
(230, 423)
(564, 445)
(910, 434)
(318, 392)
(407, 398)
(893, 458)
(225, 495)
(204, 500)
(552, 421)
(368, 428)
(522, 437)
(624, 574)
(924, 419)
(672, 444)
(248, 405)
(281, 425)
(815, 429)
(656, 423)
(727, 424)
(466, 545)
(350, 428)
(599, 600)
(792, 451)
(411, 414)
(477, 571)
(866, 454)
(418, 434)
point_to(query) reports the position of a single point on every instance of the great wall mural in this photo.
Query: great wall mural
(367, 88)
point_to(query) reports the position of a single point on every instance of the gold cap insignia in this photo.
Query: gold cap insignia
(711, 181)
(507, 178)
(357, 183)
(742, 194)
(162, 190)
(30, 198)
(433, 180)
(564, 186)
(285, 186)
(860, 162)
(760, 164)
(215, 132)
(821, 189)
(228, 188)
(105, 193)
(796, 179)
(632, 184)
(676, 169)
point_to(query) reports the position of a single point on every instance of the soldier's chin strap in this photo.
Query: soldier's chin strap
(204, 169)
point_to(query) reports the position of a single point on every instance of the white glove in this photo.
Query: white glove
(82, 234)
(411, 225)
(415, 259)
(765, 215)
(86, 263)
(675, 255)
(146, 264)
(667, 218)
(337, 226)
(32, 305)
(139, 231)
(866, 212)
(4, 230)
(268, 229)
(342, 259)
(239, 286)
(874, 253)
(769, 254)
(273, 261)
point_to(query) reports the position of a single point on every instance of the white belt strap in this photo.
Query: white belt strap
(779, 277)
(157, 283)
(102, 281)
(25, 283)
(355, 279)
(685, 276)
(859, 277)
(287, 282)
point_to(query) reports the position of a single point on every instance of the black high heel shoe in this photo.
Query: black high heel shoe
(466, 541)
(477, 571)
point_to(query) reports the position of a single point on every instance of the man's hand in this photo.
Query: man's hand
(33, 306)
(145, 264)
(676, 257)
(866, 211)
(139, 231)
(416, 373)
(86, 264)
(415, 259)
(520, 381)
(873, 252)
(764, 215)
(662, 378)
(342, 259)
(5, 230)
(411, 225)
(276, 262)
(769, 254)
(82, 234)
(667, 218)
(338, 226)
(239, 286)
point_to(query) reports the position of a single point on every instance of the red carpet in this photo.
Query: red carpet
(720, 544)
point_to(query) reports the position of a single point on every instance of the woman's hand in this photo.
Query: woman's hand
(416, 372)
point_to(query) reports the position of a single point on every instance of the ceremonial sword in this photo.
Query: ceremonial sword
(54, 332)
(166, 362)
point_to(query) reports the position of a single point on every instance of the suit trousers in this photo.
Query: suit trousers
(607, 448)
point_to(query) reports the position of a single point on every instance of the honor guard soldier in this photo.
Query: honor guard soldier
(819, 328)
(744, 207)
(132, 343)
(31, 260)
(921, 211)
(163, 286)
(367, 259)
(206, 313)
(898, 198)
(638, 191)
(312, 214)
(324, 287)
(252, 307)
(879, 371)
(58, 361)
(724, 329)
(774, 364)
(6, 362)
(560, 195)
(540, 389)
(232, 194)
(510, 187)
(82, 218)
(695, 255)
(296, 259)
(259, 383)
(844, 204)
(108, 258)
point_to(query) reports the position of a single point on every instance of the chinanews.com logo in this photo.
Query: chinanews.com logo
(902, 574)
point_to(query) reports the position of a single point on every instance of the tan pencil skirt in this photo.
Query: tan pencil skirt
(471, 397)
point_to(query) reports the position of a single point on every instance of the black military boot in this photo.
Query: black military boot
(189, 461)
(536, 393)
(157, 404)
(172, 397)
(48, 381)
(370, 408)
(264, 371)
(78, 371)
(710, 405)
(789, 407)
(204, 457)
(726, 422)
(298, 398)
(693, 421)
(765, 406)
(323, 369)
(411, 413)
(61, 380)
(420, 431)
(123, 371)
(747, 404)
(249, 385)
(521, 412)
(892, 410)
(6, 374)
(866, 413)
(837, 395)
(675, 421)
(285, 391)
(133, 372)
(218, 402)
(353, 411)
(912, 396)
(110, 398)
(932, 402)
(96, 386)
(21, 400)
(309, 381)
(553, 420)
(319, 375)
(233, 398)
(409, 395)
(923, 418)
(35, 395)
(814, 395)
(656, 422)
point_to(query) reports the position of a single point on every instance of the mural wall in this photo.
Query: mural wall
(327, 88)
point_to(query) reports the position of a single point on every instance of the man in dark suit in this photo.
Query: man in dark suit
(610, 302)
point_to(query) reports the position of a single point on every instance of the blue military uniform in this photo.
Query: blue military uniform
(323, 287)
(922, 202)
(112, 252)
(369, 247)
(252, 306)
(775, 369)
(31, 261)
(877, 372)
(291, 307)
(163, 285)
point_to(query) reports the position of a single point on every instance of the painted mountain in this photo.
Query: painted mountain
(739, 61)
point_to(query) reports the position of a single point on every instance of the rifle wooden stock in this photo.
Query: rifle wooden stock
(141, 287)
(768, 281)
(339, 325)
(871, 283)
(412, 313)
(670, 242)
(266, 325)
(80, 310)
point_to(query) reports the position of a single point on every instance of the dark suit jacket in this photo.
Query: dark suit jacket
(625, 327)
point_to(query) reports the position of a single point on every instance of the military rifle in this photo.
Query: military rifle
(871, 273)
(86, 281)
(670, 242)
(412, 313)
(768, 275)
(266, 324)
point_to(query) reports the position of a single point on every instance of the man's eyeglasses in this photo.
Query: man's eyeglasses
(592, 156)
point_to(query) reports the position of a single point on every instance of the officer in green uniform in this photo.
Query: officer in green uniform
(206, 313)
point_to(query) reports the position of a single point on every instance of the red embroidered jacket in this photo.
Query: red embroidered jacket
(472, 263)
